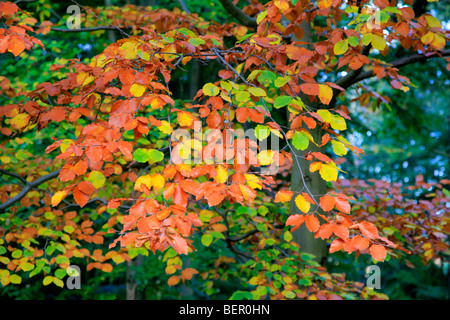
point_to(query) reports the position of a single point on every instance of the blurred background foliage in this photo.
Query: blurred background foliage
(407, 135)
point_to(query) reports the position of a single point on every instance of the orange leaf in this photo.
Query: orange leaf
(173, 280)
(342, 205)
(8, 8)
(188, 273)
(283, 196)
(189, 186)
(336, 245)
(327, 203)
(295, 220)
(312, 223)
(80, 197)
(378, 252)
(340, 231)
(360, 243)
(180, 245)
(324, 231)
(368, 230)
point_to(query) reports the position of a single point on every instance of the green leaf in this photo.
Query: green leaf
(141, 155)
(338, 123)
(210, 89)
(196, 41)
(242, 96)
(282, 101)
(16, 254)
(353, 41)
(339, 148)
(300, 140)
(266, 77)
(207, 239)
(47, 280)
(97, 178)
(262, 132)
(16, 279)
(341, 47)
(282, 81)
(155, 155)
(257, 92)
(60, 273)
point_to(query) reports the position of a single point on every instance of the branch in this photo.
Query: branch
(240, 15)
(248, 234)
(83, 29)
(183, 6)
(15, 175)
(353, 74)
(403, 62)
(27, 188)
(352, 78)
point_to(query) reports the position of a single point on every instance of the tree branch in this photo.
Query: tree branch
(27, 188)
(402, 62)
(83, 29)
(183, 6)
(15, 175)
(353, 77)
(240, 15)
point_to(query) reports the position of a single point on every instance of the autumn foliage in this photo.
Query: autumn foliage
(118, 153)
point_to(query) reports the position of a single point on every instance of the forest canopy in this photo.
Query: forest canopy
(219, 149)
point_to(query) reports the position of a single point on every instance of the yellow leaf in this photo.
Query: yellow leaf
(338, 123)
(185, 119)
(222, 174)
(302, 204)
(325, 93)
(325, 115)
(257, 92)
(252, 181)
(329, 171)
(378, 42)
(165, 127)
(146, 180)
(265, 157)
(57, 197)
(315, 166)
(97, 178)
(128, 49)
(20, 121)
(137, 90)
(158, 182)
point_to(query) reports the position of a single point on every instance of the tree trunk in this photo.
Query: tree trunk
(313, 181)
(132, 291)
(317, 186)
